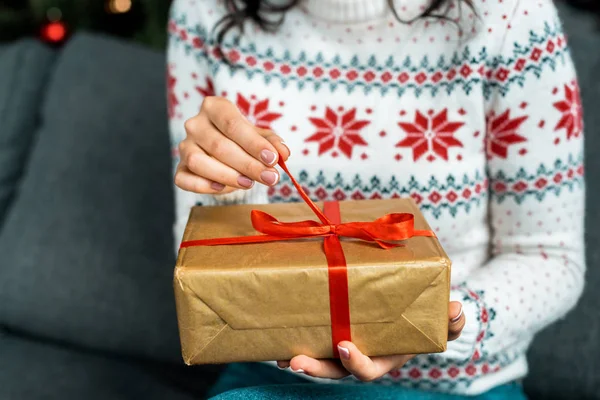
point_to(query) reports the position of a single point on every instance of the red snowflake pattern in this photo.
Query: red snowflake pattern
(572, 115)
(341, 130)
(257, 111)
(208, 90)
(502, 133)
(432, 134)
(172, 100)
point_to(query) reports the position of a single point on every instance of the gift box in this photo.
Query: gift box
(301, 287)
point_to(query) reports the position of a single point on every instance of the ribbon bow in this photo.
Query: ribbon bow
(390, 227)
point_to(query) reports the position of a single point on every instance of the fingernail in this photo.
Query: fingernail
(287, 147)
(217, 186)
(457, 318)
(244, 181)
(269, 177)
(268, 157)
(298, 371)
(344, 353)
(283, 369)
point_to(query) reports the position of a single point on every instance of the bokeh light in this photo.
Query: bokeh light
(119, 6)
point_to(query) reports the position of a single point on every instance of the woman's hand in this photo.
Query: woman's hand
(223, 151)
(366, 369)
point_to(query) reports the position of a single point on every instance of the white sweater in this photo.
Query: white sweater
(483, 129)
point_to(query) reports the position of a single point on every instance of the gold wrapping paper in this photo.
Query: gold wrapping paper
(270, 301)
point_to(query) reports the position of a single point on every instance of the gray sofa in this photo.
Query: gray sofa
(86, 305)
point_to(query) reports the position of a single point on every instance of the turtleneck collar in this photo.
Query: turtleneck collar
(357, 11)
(348, 11)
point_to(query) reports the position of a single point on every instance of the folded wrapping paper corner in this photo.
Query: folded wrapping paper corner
(391, 227)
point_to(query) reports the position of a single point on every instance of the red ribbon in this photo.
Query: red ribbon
(391, 227)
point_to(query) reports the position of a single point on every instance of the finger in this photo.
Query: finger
(368, 369)
(277, 142)
(230, 154)
(229, 120)
(454, 310)
(456, 321)
(283, 364)
(201, 164)
(191, 182)
(330, 369)
(359, 365)
(365, 368)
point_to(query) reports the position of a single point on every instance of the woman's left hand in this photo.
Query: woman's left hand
(366, 369)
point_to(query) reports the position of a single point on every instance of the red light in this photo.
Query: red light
(54, 32)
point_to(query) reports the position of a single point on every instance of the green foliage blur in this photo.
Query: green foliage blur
(144, 22)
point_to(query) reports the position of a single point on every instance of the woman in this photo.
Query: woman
(470, 107)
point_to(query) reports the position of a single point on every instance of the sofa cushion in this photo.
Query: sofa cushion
(33, 370)
(87, 250)
(24, 69)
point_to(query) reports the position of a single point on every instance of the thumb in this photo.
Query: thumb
(359, 365)
(456, 320)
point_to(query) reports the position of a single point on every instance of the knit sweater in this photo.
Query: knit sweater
(477, 118)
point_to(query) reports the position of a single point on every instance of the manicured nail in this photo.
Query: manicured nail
(457, 318)
(344, 353)
(216, 186)
(298, 371)
(268, 157)
(287, 147)
(244, 181)
(269, 177)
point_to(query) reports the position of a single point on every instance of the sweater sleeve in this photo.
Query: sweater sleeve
(534, 147)
(189, 81)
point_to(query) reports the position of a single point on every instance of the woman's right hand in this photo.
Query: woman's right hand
(223, 151)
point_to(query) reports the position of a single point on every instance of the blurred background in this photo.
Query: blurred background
(55, 20)
(86, 209)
